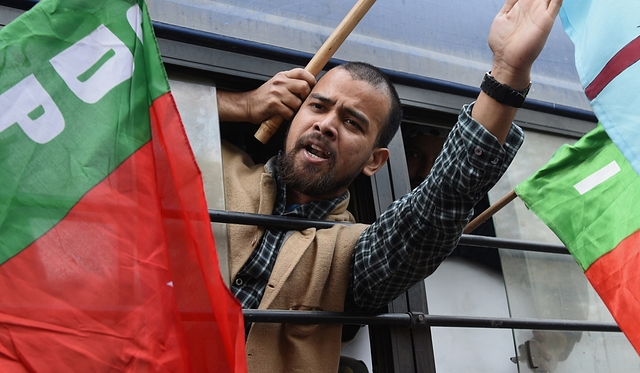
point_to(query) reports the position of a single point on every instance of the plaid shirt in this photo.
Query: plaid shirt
(416, 233)
(252, 279)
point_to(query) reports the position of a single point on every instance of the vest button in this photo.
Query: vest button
(239, 281)
(254, 241)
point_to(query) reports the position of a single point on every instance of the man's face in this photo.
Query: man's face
(422, 151)
(331, 139)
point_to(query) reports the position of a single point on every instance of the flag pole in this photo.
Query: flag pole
(271, 125)
(489, 212)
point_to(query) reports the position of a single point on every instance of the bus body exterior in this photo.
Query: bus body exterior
(436, 53)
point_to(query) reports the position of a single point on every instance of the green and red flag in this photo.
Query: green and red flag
(589, 193)
(107, 260)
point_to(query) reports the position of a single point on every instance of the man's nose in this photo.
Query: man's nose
(328, 125)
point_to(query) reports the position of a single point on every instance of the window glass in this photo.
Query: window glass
(445, 40)
(552, 286)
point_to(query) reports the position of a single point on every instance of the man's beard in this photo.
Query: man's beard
(309, 179)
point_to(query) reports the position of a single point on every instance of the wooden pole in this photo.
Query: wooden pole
(324, 54)
(489, 212)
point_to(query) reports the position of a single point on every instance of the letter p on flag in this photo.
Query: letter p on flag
(31, 107)
(91, 68)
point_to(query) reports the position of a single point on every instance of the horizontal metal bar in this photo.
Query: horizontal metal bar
(19, 4)
(273, 221)
(505, 243)
(413, 319)
(320, 317)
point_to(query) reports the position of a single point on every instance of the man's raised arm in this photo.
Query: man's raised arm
(411, 238)
(517, 36)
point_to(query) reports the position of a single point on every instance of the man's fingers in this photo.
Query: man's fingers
(287, 113)
(281, 95)
(292, 104)
(508, 5)
(301, 82)
(301, 74)
(554, 7)
(298, 88)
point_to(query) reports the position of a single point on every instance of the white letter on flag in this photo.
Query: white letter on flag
(31, 107)
(134, 16)
(597, 178)
(94, 65)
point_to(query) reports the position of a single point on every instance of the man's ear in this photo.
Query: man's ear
(378, 159)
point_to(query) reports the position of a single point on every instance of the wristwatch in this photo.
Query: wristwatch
(502, 92)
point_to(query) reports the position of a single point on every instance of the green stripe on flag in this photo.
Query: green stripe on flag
(75, 89)
(588, 194)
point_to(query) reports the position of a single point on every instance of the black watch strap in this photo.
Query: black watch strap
(502, 92)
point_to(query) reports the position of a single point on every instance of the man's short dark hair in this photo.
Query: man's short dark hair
(374, 76)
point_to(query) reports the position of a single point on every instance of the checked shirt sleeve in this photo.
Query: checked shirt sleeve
(417, 232)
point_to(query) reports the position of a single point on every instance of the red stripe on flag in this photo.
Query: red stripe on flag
(115, 285)
(91, 295)
(616, 278)
(185, 194)
(625, 57)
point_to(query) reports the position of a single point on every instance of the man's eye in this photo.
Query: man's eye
(316, 106)
(353, 123)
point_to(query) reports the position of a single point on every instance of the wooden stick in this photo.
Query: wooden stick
(324, 54)
(489, 212)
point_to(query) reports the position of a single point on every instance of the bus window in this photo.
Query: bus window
(422, 144)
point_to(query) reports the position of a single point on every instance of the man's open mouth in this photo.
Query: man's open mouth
(317, 152)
